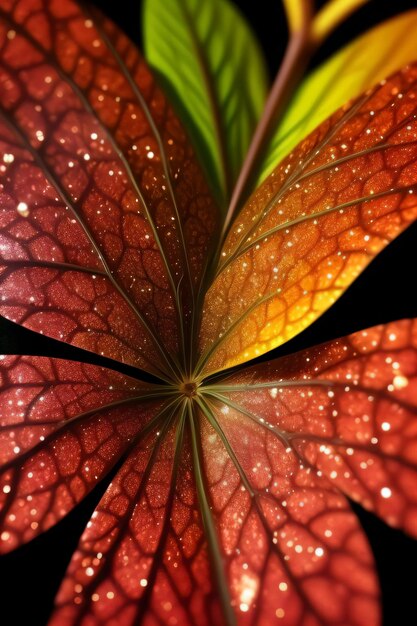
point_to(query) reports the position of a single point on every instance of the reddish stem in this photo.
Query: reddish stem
(296, 58)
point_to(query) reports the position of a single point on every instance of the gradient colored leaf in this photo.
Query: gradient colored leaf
(316, 222)
(63, 425)
(143, 557)
(213, 70)
(346, 410)
(108, 215)
(278, 441)
(228, 504)
(359, 66)
(273, 519)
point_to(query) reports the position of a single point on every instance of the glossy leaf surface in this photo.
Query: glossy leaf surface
(143, 558)
(218, 81)
(279, 442)
(262, 497)
(317, 221)
(63, 425)
(97, 175)
(347, 410)
(228, 504)
(359, 66)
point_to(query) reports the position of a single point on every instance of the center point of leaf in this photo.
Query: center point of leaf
(188, 388)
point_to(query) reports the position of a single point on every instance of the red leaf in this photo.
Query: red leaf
(346, 409)
(63, 425)
(293, 550)
(143, 557)
(227, 505)
(98, 175)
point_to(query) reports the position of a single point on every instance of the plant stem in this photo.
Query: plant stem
(307, 32)
(298, 14)
(297, 56)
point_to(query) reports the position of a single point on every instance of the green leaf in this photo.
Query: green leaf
(211, 67)
(360, 65)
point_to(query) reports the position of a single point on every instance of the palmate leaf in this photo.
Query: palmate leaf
(218, 81)
(228, 504)
(357, 67)
(280, 441)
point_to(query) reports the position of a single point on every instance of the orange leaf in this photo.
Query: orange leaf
(316, 222)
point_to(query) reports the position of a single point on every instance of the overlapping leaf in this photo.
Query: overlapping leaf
(359, 66)
(316, 222)
(228, 506)
(346, 409)
(279, 441)
(63, 425)
(218, 80)
(105, 213)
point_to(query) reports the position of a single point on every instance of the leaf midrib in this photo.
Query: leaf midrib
(205, 356)
(289, 436)
(165, 164)
(219, 129)
(50, 176)
(254, 503)
(208, 523)
(292, 178)
(167, 424)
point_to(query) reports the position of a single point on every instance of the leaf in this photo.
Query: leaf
(106, 209)
(210, 65)
(63, 425)
(143, 557)
(228, 501)
(346, 410)
(357, 67)
(273, 518)
(314, 225)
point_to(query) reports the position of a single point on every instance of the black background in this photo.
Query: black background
(386, 291)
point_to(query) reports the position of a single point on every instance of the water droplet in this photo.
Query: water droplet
(386, 492)
(23, 209)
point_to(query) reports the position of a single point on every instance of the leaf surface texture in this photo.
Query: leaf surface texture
(316, 222)
(372, 57)
(229, 498)
(218, 81)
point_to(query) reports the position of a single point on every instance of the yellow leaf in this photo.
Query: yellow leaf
(360, 65)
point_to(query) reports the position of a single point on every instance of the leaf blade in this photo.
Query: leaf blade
(344, 76)
(272, 514)
(314, 225)
(152, 216)
(348, 409)
(63, 426)
(149, 513)
(220, 89)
